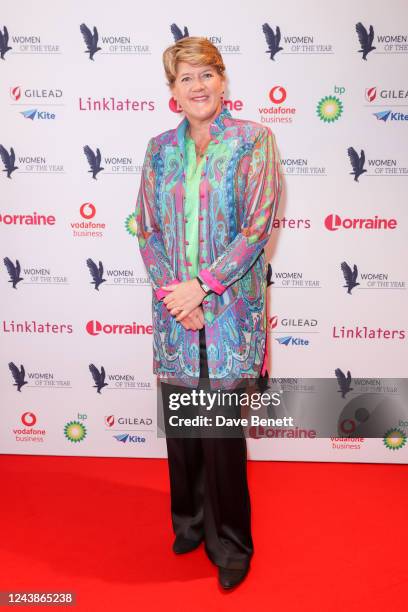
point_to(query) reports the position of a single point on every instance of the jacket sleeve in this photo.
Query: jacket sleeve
(148, 230)
(261, 199)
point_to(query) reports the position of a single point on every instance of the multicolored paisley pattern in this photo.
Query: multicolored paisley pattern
(240, 191)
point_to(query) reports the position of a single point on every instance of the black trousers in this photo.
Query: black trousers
(209, 490)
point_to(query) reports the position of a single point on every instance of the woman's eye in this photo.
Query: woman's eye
(208, 74)
(184, 79)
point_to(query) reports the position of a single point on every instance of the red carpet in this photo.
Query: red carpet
(327, 537)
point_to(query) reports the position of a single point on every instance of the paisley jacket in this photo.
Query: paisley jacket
(240, 188)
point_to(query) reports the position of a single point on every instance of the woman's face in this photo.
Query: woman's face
(198, 90)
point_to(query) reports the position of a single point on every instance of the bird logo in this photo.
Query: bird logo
(343, 381)
(350, 277)
(357, 162)
(94, 161)
(8, 160)
(269, 280)
(91, 40)
(13, 271)
(96, 273)
(177, 33)
(365, 39)
(98, 377)
(4, 46)
(18, 375)
(272, 40)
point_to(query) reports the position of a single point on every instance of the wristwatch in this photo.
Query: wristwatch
(204, 285)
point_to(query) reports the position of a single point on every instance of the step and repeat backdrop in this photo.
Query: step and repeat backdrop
(82, 89)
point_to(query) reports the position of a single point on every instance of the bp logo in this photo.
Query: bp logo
(395, 439)
(329, 109)
(75, 431)
(131, 225)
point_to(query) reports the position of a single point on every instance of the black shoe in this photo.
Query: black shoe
(183, 545)
(228, 578)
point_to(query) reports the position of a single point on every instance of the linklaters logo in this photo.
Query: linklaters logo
(330, 108)
(394, 439)
(75, 431)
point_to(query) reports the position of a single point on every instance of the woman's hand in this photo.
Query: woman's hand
(195, 320)
(184, 297)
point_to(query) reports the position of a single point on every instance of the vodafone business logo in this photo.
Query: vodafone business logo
(87, 210)
(95, 328)
(334, 222)
(277, 95)
(28, 418)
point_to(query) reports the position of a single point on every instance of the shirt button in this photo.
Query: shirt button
(201, 195)
(186, 242)
(201, 239)
(202, 260)
(185, 219)
(201, 218)
(189, 263)
(202, 173)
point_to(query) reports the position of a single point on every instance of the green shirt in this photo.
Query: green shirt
(192, 199)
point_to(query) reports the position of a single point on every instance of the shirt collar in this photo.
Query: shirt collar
(217, 127)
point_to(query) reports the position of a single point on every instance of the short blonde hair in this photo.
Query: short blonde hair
(196, 50)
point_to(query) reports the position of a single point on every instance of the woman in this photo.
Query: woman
(208, 196)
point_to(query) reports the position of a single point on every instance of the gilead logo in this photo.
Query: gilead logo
(334, 222)
(94, 328)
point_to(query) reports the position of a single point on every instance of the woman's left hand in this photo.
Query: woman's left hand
(184, 297)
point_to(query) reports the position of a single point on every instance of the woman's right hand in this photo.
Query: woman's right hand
(195, 320)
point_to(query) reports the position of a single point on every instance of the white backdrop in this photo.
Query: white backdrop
(54, 101)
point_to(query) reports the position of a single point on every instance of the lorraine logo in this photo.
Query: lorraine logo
(8, 160)
(329, 109)
(90, 39)
(177, 33)
(278, 94)
(94, 160)
(13, 271)
(371, 94)
(4, 46)
(357, 162)
(350, 276)
(272, 40)
(365, 39)
(98, 377)
(75, 431)
(18, 376)
(96, 273)
(344, 382)
(394, 439)
(131, 224)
